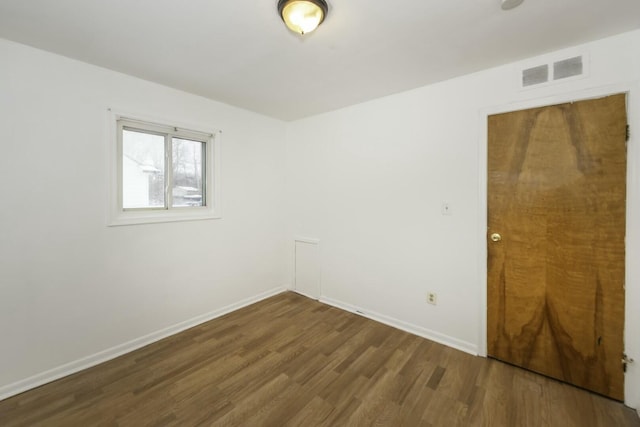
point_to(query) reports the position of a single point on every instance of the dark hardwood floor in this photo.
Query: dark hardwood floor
(291, 361)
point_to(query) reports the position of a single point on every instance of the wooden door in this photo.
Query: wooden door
(557, 198)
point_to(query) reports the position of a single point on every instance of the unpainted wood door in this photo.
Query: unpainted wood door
(557, 199)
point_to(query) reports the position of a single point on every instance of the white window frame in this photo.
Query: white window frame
(118, 215)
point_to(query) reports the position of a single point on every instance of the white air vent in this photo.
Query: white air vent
(567, 68)
(553, 71)
(535, 75)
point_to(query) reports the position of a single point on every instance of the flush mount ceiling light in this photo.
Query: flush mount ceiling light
(510, 4)
(302, 16)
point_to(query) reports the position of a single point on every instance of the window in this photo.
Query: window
(162, 173)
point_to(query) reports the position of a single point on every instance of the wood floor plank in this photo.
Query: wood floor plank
(291, 361)
(312, 414)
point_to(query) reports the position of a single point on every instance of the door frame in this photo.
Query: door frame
(632, 90)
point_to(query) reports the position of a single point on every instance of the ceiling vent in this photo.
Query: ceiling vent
(558, 70)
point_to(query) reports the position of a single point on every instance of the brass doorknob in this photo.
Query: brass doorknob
(496, 237)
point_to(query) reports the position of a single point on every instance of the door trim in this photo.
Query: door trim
(632, 90)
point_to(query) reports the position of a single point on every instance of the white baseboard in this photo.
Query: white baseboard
(304, 294)
(113, 352)
(467, 347)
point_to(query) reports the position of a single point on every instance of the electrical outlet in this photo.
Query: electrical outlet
(432, 298)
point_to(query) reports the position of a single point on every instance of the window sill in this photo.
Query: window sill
(155, 217)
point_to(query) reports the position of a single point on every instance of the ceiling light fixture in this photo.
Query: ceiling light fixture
(510, 4)
(302, 16)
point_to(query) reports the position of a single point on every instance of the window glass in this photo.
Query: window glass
(188, 178)
(143, 170)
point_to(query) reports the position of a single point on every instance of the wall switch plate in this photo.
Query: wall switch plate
(446, 208)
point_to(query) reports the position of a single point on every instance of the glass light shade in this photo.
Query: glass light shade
(302, 16)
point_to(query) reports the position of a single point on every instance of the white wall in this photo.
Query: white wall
(369, 181)
(69, 285)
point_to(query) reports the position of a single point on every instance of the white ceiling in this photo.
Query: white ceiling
(239, 52)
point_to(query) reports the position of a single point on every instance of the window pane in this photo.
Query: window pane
(142, 170)
(188, 173)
